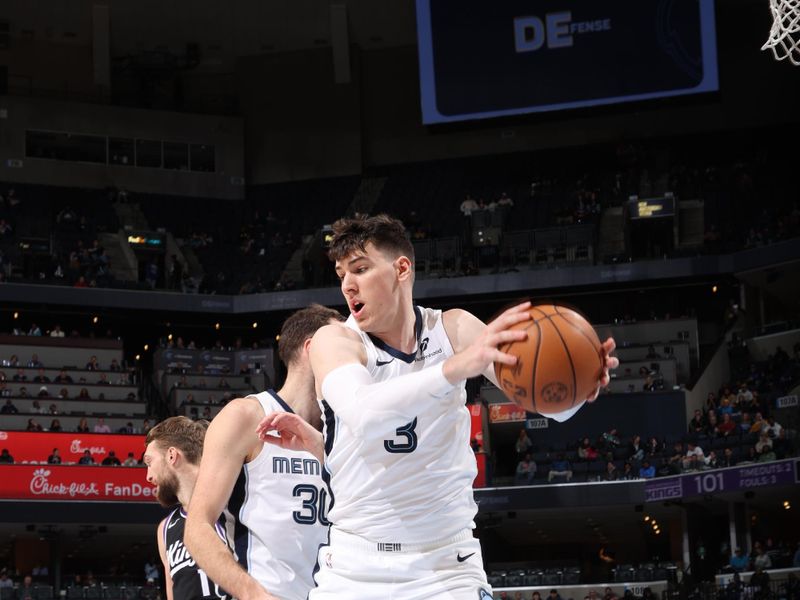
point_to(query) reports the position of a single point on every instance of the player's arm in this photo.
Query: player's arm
(228, 442)
(162, 552)
(338, 358)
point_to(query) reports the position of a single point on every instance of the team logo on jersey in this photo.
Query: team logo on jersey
(484, 595)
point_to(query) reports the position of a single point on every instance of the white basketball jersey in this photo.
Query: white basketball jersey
(276, 520)
(413, 482)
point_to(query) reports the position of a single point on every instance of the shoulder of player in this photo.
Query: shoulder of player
(241, 411)
(334, 332)
(462, 327)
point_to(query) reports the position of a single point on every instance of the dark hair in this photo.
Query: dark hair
(181, 432)
(387, 234)
(301, 326)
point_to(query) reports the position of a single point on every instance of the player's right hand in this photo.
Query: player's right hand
(483, 351)
(294, 433)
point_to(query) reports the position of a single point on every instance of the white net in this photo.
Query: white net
(784, 37)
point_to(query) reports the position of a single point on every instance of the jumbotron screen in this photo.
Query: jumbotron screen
(482, 59)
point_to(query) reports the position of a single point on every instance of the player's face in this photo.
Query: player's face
(161, 475)
(369, 285)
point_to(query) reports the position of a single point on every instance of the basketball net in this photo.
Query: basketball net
(784, 37)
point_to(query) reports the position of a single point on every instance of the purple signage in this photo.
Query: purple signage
(734, 479)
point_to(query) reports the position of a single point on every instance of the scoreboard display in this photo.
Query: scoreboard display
(481, 59)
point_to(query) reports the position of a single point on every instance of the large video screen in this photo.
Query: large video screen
(481, 59)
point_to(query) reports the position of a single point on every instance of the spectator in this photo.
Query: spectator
(86, 459)
(35, 330)
(6, 458)
(56, 331)
(764, 450)
(711, 461)
(523, 444)
(745, 423)
(611, 473)
(25, 590)
(20, 375)
(23, 392)
(103, 380)
(739, 562)
(560, 468)
(34, 362)
(114, 366)
(5, 580)
(63, 393)
(694, 457)
(62, 377)
(111, 460)
(796, 559)
(33, 426)
(83, 426)
(628, 473)
(54, 458)
(93, 365)
(758, 423)
(647, 471)
(636, 449)
(55, 426)
(5, 391)
(698, 422)
(759, 582)
(761, 558)
(41, 377)
(651, 354)
(773, 429)
(727, 427)
(727, 459)
(554, 595)
(84, 394)
(53, 408)
(8, 408)
(130, 461)
(526, 471)
(712, 422)
(101, 426)
(586, 451)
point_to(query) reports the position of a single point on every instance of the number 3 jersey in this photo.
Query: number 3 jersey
(189, 582)
(410, 479)
(275, 520)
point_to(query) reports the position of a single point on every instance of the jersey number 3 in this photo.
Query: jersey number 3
(409, 443)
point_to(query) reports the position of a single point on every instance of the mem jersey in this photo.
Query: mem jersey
(276, 519)
(189, 582)
(411, 480)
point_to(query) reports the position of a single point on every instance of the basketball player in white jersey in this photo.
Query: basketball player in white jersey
(396, 439)
(272, 500)
(172, 456)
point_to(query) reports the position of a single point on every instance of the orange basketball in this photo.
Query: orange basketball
(559, 364)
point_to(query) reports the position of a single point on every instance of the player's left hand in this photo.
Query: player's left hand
(611, 362)
(293, 433)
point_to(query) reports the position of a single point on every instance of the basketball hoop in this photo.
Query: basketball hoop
(784, 37)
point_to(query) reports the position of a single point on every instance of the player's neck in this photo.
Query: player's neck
(186, 486)
(299, 393)
(401, 332)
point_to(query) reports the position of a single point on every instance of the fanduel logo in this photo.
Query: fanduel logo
(557, 30)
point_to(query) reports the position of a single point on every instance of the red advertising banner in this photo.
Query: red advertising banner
(506, 413)
(27, 446)
(77, 483)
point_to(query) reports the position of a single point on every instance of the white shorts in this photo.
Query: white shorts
(352, 567)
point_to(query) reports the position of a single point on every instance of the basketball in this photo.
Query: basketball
(558, 365)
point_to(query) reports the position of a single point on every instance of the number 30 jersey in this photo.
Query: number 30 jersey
(276, 520)
(409, 479)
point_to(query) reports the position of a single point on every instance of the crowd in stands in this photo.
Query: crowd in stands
(244, 247)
